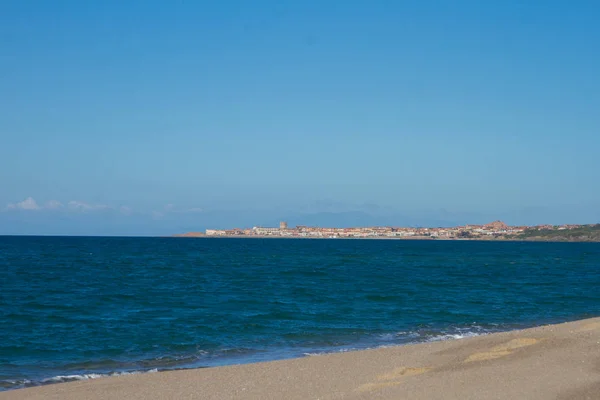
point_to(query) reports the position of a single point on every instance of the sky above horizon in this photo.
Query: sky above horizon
(148, 117)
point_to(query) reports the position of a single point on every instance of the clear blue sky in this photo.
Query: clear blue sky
(192, 114)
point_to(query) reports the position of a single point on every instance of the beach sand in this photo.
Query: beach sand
(550, 362)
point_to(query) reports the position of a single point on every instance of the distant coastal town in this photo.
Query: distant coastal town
(496, 230)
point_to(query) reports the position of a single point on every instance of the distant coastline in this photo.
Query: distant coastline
(495, 231)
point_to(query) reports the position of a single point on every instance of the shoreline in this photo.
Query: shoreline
(559, 361)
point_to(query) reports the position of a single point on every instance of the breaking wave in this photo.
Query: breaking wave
(24, 383)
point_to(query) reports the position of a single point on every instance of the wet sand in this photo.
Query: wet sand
(550, 362)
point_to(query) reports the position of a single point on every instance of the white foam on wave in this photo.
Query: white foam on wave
(392, 337)
(453, 333)
(7, 384)
(83, 377)
(24, 383)
(344, 350)
(413, 337)
(454, 336)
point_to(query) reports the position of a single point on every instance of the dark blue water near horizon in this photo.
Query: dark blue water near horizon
(80, 307)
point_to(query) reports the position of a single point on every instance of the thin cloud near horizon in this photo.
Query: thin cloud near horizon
(30, 204)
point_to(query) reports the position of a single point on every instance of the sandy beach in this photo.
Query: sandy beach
(549, 362)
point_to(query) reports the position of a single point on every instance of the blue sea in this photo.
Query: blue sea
(76, 308)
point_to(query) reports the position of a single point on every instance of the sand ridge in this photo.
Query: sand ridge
(503, 349)
(392, 378)
(592, 326)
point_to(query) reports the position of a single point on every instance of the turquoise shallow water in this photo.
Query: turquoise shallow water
(74, 308)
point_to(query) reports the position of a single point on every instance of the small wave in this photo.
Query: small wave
(84, 377)
(10, 384)
(455, 336)
(386, 340)
(345, 350)
(14, 384)
(450, 333)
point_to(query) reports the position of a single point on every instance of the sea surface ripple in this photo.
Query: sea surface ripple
(78, 308)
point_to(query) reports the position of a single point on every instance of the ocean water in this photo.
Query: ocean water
(77, 308)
